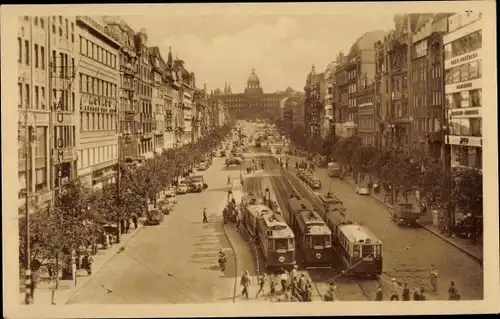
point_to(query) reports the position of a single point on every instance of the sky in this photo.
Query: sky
(224, 47)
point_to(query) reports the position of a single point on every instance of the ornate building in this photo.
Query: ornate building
(313, 102)
(253, 103)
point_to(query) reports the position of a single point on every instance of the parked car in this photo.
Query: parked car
(155, 217)
(182, 188)
(315, 183)
(171, 197)
(362, 189)
(202, 166)
(222, 153)
(165, 206)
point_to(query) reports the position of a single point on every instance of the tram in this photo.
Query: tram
(313, 236)
(271, 234)
(251, 199)
(357, 247)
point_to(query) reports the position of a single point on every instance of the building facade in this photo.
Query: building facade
(314, 93)
(366, 119)
(329, 119)
(98, 76)
(253, 103)
(463, 88)
(159, 98)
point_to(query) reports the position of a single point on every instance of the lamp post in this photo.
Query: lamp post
(392, 127)
(29, 142)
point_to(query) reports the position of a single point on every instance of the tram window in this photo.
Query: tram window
(378, 250)
(328, 240)
(269, 244)
(290, 243)
(367, 250)
(281, 243)
(318, 241)
(355, 250)
(308, 241)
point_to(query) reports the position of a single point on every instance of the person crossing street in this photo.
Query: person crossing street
(205, 219)
(262, 281)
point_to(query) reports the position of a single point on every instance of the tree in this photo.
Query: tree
(361, 159)
(298, 136)
(433, 188)
(467, 191)
(329, 143)
(344, 149)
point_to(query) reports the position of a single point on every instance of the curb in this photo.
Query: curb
(106, 260)
(434, 232)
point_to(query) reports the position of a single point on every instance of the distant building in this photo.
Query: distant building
(253, 103)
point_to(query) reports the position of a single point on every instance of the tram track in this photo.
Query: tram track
(285, 184)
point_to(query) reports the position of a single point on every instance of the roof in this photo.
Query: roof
(330, 198)
(336, 217)
(253, 78)
(259, 210)
(311, 217)
(367, 40)
(277, 225)
(318, 230)
(359, 234)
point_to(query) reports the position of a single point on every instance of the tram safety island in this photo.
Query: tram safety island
(276, 240)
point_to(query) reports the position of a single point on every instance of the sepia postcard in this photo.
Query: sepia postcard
(249, 159)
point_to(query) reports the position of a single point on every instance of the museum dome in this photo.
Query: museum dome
(253, 80)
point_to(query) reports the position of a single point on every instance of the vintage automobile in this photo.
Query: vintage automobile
(196, 183)
(405, 214)
(171, 197)
(315, 183)
(182, 188)
(165, 206)
(154, 217)
(202, 166)
(233, 161)
(362, 189)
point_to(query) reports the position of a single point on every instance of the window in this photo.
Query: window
(20, 94)
(464, 72)
(60, 32)
(37, 98)
(54, 29)
(42, 23)
(42, 57)
(36, 55)
(43, 98)
(476, 126)
(475, 97)
(456, 75)
(19, 49)
(88, 52)
(67, 28)
(27, 50)
(28, 93)
(464, 99)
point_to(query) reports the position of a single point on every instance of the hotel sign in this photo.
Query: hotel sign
(469, 112)
(94, 103)
(462, 59)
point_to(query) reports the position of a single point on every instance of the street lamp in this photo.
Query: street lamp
(29, 142)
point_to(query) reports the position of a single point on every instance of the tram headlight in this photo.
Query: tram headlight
(318, 255)
(281, 259)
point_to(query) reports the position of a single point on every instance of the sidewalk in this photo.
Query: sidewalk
(473, 250)
(67, 288)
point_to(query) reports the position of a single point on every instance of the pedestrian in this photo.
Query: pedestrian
(134, 220)
(287, 295)
(307, 297)
(379, 295)
(262, 281)
(296, 292)
(245, 282)
(127, 225)
(205, 219)
(395, 288)
(262, 165)
(330, 293)
(453, 292)
(416, 294)
(284, 280)
(421, 296)
(35, 278)
(228, 179)
(292, 274)
(406, 292)
(272, 290)
(302, 282)
(238, 222)
(286, 165)
(433, 275)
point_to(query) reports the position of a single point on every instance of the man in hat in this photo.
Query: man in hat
(433, 274)
(379, 295)
(395, 290)
(261, 285)
(245, 282)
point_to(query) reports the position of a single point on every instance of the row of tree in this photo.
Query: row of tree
(404, 174)
(81, 213)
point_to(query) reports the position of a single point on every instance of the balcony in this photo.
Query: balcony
(147, 136)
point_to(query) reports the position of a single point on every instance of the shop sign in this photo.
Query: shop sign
(464, 140)
(94, 103)
(465, 58)
(464, 86)
(465, 113)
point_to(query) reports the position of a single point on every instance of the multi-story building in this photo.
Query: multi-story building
(427, 96)
(159, 98)
(313, 103)
(463, 88)
(199, 114)
(128, 138)
(98, 78)
(253, 103)
(357, 67)
(341, 99)
(366, 120)
(328, 122)
(145, 88)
